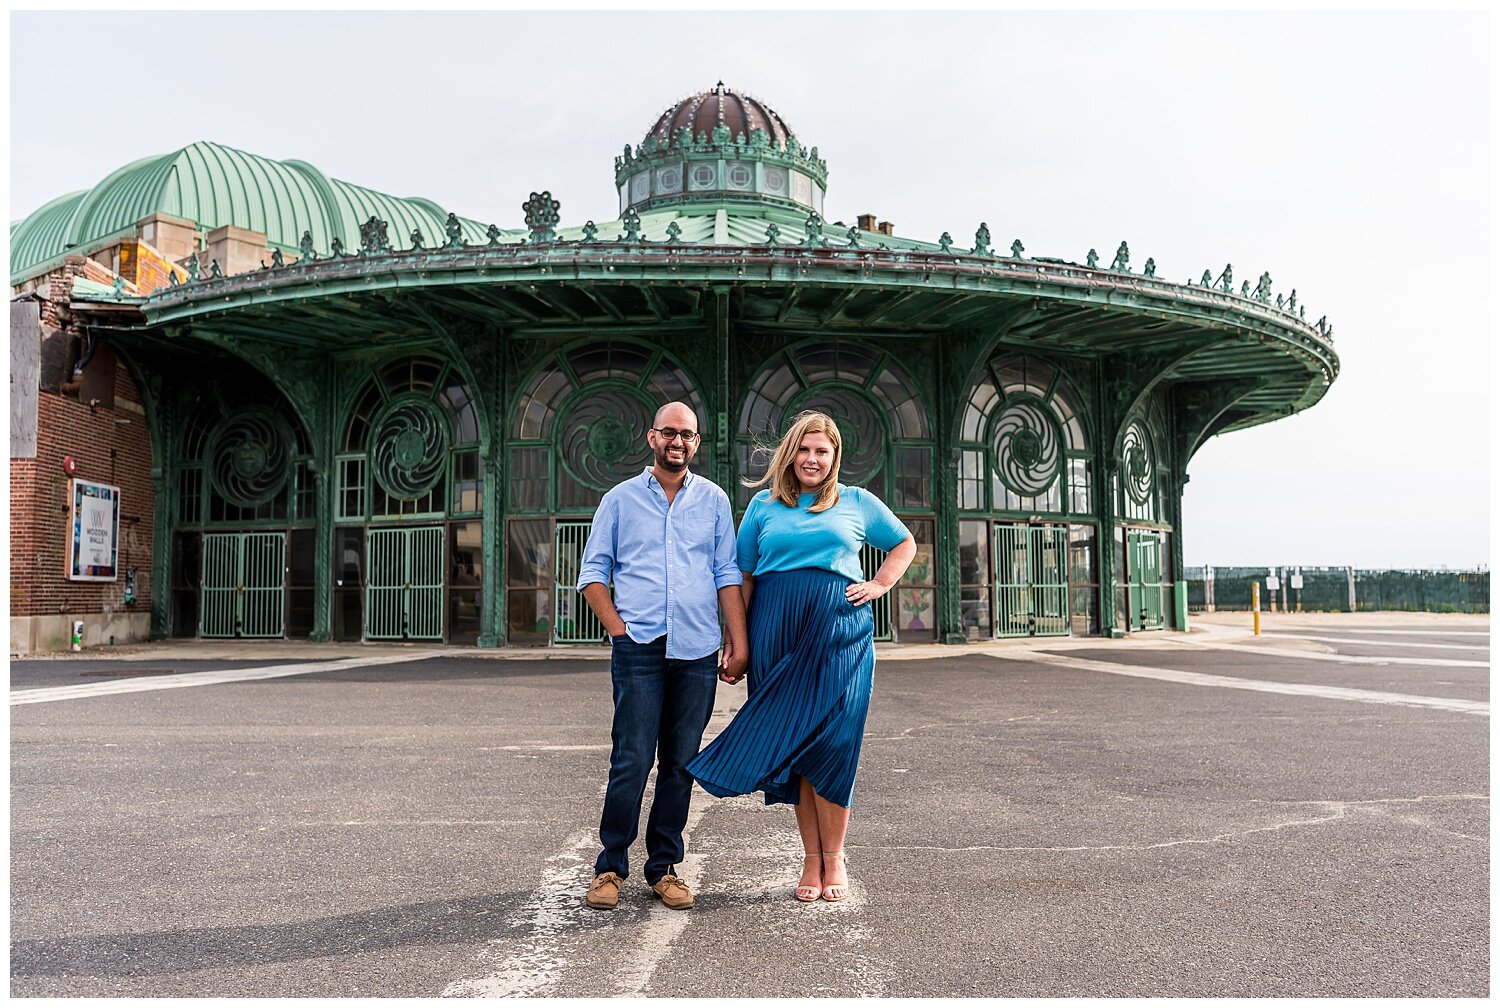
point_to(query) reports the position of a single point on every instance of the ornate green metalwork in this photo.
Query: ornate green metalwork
(453, 233)
(410, 447)
(602, 435)
(814, 230)
(1028, 446)
(1121, 263)
(982, 240)
(632, 224)
(542, 217)
(372, 237)
(1140, 465)
(250, 456)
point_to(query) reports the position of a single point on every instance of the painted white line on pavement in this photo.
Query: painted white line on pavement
(1320, 639)
(144, 684)
(1336, 809)
(1320, 656)
(1431, 633)
(539, 951)
(1229, 682)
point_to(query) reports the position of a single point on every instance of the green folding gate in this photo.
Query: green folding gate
(573, 622)
(244, 585)
(404, 584)
(870, 559)
(1145, 580)
(1031, 580)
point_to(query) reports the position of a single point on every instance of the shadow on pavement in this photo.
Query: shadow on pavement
(468, 921)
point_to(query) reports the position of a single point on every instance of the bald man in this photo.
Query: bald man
(665, 539)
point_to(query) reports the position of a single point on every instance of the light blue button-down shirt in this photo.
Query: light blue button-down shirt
(667, 563)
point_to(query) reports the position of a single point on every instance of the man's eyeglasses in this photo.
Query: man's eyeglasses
(670, 434)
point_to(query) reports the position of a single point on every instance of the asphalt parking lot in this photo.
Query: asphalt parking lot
(1297, 814)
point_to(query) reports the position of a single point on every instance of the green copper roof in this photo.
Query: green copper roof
(216, 185)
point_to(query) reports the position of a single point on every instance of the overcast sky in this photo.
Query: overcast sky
(1348, 154)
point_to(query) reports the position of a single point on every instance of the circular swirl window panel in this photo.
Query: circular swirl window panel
(250, 455)
(1027, 447)
(410, 447)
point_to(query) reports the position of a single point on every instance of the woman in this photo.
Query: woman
(812, 647)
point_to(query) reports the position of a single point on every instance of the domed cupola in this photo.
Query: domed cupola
(716, 146)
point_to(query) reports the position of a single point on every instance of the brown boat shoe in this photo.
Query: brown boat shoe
(604, 891)
(674, 892)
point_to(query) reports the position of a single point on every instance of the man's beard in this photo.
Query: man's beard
(668, 464)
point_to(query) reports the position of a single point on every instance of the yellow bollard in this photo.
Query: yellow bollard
(1255, 605)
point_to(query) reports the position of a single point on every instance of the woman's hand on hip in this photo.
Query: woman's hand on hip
(865, 591)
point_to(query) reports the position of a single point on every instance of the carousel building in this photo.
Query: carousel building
(356, 417)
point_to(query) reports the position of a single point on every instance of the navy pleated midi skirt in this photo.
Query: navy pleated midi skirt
(812, 669)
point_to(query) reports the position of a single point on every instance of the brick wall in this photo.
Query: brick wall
(109, 446)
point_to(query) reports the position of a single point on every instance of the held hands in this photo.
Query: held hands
(865, 591)
(732, 665)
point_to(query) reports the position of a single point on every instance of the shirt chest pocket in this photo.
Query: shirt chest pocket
(693, 534)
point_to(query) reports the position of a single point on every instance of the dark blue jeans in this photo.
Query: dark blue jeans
(662, 706)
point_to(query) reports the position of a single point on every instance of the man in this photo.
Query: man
(666, 540)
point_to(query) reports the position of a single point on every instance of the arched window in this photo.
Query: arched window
(1024, 445)
(579, 424)
(411, 445)
(885, 428)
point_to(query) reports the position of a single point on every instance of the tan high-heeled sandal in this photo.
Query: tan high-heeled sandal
(809, 893)
(834, 893)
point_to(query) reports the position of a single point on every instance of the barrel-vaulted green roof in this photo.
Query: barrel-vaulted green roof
(216, 185)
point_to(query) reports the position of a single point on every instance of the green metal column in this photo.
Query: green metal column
(162, 529)
(1105, 396)
(492, 387)
(948, 402)
(325, 472)
(720, 398)
(491, 583)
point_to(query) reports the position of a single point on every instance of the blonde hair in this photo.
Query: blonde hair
(782, 475)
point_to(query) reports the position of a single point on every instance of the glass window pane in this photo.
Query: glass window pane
(923, 568)
(916, 614)
(528, 479)
(1082, 552)
(974, 613)
(974, 552)
(528, 554)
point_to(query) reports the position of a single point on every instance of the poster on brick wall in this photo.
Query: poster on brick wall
(96, 531)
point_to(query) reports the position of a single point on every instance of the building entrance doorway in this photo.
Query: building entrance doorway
(573, 622)
(404, 584)
(243, 585)
(1031, 580)
(1145, 579)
